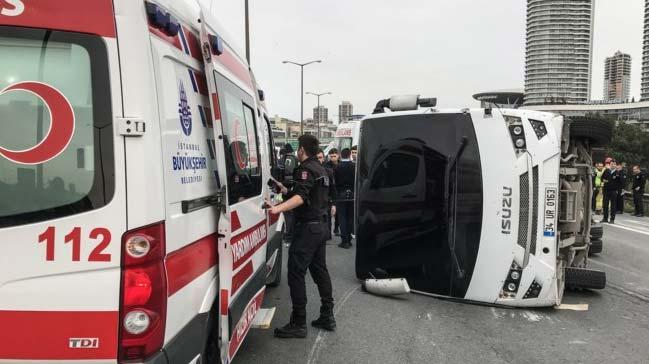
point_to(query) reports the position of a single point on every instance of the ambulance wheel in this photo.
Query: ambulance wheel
(275, 276)
(596, 246)
(583, 278)
(599, 131)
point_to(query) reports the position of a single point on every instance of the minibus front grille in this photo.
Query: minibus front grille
(523, 209)
(535, 208)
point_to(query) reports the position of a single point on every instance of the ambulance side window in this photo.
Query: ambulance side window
(241, 142)
(272, 156)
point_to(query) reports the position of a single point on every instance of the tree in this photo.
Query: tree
(630, 144)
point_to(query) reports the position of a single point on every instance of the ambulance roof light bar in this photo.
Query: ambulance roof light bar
(404, 103)
(162, 20)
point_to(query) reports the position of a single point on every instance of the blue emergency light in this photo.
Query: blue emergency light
(162, 20)
(216, 43)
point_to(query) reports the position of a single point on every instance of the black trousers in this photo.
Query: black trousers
(637, 201)
(610, 202)
(308, 251)
(619, 205)
(594, 202)
(289, 226)
(345, 213)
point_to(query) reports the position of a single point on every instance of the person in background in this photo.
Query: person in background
(331, 211)
(308, 198)
(638, 187)
(354, 153)
(621, 170)
(611, 180)
(344, 176)
(332, 163)
(597, 184)
(288, 164)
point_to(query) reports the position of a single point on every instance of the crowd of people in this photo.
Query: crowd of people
(611, 181)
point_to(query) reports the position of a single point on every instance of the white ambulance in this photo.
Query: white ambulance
(134, 153)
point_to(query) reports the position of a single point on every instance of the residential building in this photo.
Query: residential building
(644, 88)
(617, 77)
(345, 110)
(559, 46)
(320, 114)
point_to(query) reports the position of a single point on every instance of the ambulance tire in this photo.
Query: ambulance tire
(583, 278)
(275, 276)
(599, 131)
(596, 246)
(212, 352)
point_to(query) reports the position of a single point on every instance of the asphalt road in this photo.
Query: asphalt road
(419, 329)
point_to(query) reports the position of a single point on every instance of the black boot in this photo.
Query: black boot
(325, 322)
(295, 329)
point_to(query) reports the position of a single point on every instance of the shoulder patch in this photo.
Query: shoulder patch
(305, 175)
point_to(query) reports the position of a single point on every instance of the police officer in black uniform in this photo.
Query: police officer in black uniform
(345, 175)
(331, 211)
(612, 186)
(639, 181)
(308, 199)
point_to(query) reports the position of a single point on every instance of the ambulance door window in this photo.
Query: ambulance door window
(241, 142)
(271, 144)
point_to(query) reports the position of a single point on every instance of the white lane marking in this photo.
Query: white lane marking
(624, 227)
(626, 271)
(636, 223)
(577, 342)
(322, 334)
(532, 316)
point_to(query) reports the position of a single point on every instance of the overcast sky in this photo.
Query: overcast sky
(372, 49)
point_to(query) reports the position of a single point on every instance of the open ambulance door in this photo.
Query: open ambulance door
(243, 226)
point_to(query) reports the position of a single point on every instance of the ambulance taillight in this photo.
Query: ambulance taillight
(144, 293)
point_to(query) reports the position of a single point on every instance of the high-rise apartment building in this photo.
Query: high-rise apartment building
(320, 114)
(644, 88)
(617, 77)
(558, 52)
(346, 110)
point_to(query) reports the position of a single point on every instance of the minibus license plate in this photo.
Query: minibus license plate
(550, 212)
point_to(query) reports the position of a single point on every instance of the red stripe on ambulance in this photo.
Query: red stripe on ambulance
(241, 277)
(244, 324)
(58, 335)
(186, 264)
(232, 63)
(247, 243)
(173, 40)
(93, 17)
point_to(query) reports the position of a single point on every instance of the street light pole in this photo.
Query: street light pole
(302, 65)
(247, 34)
(319, 113)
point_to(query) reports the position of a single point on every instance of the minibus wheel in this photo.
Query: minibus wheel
(584, 278)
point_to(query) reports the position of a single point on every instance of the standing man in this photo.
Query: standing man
(344, 175)
(331, 210)
(354, 153)
(308, 199)
(597, 183)
(288, 164)
(332, 163)
(612, 184)
(621, 170)
(639, 181)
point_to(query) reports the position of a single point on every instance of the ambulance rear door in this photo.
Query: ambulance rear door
(244, 227)
(62, 182)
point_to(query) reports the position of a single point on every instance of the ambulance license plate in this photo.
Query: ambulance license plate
(550, 212)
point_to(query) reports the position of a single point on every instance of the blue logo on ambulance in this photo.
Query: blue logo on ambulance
(184, 110)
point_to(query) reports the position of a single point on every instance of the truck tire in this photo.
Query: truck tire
(596, 232)
(596, 246)
(583, 278)
(275, 276)
(598, 131)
